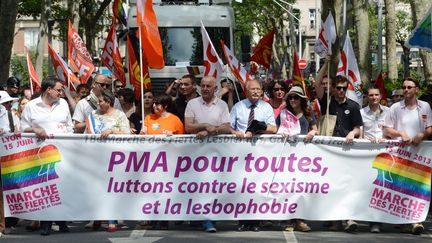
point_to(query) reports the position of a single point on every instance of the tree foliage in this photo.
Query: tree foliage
(258, 17)
(19, 67)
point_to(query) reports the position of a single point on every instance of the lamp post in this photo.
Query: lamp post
(379, 4)
(299, 30)
(50, 25)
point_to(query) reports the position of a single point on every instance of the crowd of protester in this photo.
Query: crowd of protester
(106, 107)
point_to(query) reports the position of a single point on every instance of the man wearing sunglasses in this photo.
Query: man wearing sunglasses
(347, 112)
(85, 106)
(409, 120)
(348, 123)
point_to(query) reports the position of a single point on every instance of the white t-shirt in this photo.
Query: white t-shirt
(412, 121)
(373, 123)
(216, 113)
(54, 119)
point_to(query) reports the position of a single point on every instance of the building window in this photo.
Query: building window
(31, 37)
(312, 18)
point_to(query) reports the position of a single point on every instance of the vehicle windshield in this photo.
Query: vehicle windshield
(183, 44)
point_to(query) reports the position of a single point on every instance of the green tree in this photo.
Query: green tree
(8, 14)
(260, 17)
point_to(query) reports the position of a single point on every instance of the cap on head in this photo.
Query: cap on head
(13, 82)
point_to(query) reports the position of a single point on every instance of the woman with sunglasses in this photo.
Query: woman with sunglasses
(277, 91)
(297, 119)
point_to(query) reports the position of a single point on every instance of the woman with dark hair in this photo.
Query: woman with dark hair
(276, 91)
(162, 121)
(136, 117)
(297, 119)
(126, 98)
(107, 120)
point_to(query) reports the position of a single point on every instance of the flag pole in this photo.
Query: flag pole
(233, 83)
(68, 75)
(141, 76)
(28, 68)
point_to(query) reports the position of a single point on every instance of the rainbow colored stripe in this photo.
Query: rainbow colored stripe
(119, 12)
(403, 176)
(29, 167)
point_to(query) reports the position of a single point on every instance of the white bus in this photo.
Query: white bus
(180, 30)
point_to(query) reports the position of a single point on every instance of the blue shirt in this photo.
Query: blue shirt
(240, 114)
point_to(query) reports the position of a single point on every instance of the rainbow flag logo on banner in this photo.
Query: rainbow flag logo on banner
(402, 175)
(29, 167)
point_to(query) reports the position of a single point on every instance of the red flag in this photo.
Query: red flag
(379, 83)
(78, 56)
(238, 70)
(134, 71)
(150, 38)
(111, 55)
(263, 51)
(61, 69)
(35, 83)
(298, 76)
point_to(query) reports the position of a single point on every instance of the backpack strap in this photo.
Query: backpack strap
(11, 122)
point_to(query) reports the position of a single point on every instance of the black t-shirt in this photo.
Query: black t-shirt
(347, 115)
(137, 121)
(178, 107)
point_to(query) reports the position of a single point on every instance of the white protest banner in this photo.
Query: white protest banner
(81, 177)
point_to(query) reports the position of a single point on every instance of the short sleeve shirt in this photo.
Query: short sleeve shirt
(411, 121)
(54, 119)
(347, 115)
(215, 113)
(373, 123)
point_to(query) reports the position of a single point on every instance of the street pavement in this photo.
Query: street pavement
(185, 233)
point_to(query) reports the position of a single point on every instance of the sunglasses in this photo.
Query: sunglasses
(408, 87)
(104, 85)
(278, 89)
(293, 97)
(119, 86)
(342, 88)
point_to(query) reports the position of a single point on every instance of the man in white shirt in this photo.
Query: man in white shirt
(373, 116)
(410, 119)
(207, 115)
(6, 118)
(46, 115)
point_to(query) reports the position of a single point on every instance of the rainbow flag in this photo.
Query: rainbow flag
(119, 12)
(402, 175)
(29, 167)
(421, 37)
